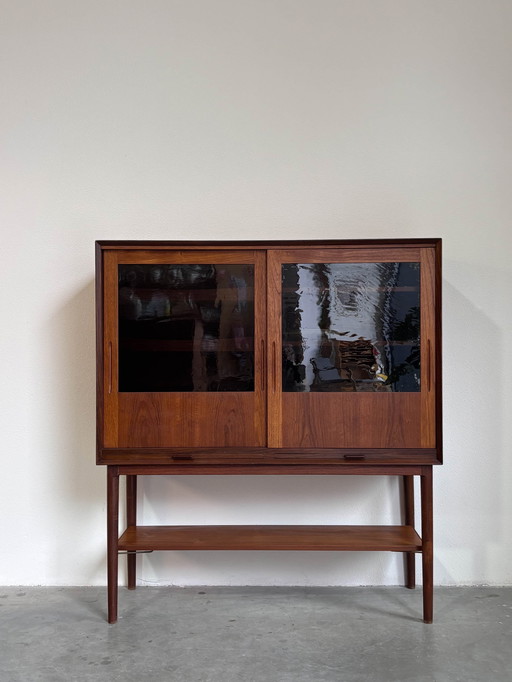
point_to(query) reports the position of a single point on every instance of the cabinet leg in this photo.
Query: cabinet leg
(131, 519)
(410, 557)
(427, 533)
(112, 540)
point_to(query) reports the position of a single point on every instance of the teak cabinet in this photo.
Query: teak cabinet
(269, 358)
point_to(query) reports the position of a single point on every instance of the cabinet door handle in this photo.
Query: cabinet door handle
(110, 366)
(262, 365)
(429, 365)
(274, 366)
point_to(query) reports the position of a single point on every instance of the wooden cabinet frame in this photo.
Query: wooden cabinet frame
(137, 435)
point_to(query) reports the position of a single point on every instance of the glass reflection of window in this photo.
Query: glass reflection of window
(351, 327)
(186, 327)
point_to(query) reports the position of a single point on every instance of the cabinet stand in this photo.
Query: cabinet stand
(403, 538)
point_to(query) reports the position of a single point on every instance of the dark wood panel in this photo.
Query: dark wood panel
(110, 350)
(428, 349)
(351, 420)
(256, 457)
(152, 256)
(408, 503)
(99, 351)
(112, 540)
(438, 347)
(229, 453)
(316, 538)
(259, 415)
(236, 469)
(131, 520)
(274, 336)
(270, 244)
(371, 254)
(190, 419)
(427, 531)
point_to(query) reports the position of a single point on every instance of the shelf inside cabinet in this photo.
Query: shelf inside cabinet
(238, 537)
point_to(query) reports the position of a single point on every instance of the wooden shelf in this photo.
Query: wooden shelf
(326, 538)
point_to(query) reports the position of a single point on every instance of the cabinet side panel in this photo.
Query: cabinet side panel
(438, 347)
(99, 348)
(428, 349)
(351, 420)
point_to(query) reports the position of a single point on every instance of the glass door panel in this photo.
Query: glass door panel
(351, 327)
(186, 327)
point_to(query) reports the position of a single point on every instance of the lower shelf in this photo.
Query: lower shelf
(327, 538)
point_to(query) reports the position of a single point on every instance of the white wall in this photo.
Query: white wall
(292, 119)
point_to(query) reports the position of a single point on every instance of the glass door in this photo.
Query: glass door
(351, 345)
(185, 335)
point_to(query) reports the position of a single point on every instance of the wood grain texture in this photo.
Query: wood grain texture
(427, 532)
(150, 245)
(282, 538)
(410, 559)
(351, 420)
(428, 349)
(131, 520)
(110, 350)
(154, 421)
(291, 470)
(347, 254)
(259, 415)
(389, 434)
(100, 411)
(274, 335)
(191, 419)
(184, 256)
(112, 541)
(438, 350)
(270, 461)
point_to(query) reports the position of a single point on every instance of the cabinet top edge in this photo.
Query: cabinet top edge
(263, 244)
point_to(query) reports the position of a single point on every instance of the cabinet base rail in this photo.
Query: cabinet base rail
(146, 539)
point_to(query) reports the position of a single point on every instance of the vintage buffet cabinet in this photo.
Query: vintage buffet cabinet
(269, 358)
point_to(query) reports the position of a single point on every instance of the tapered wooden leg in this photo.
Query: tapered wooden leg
(427, 533)
(112, 540)
(131, 519)
(410, 557)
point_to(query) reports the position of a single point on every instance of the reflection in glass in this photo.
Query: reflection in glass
(186, 327)
(351, 327)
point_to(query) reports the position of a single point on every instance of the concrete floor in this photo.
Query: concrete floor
(248, 634)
